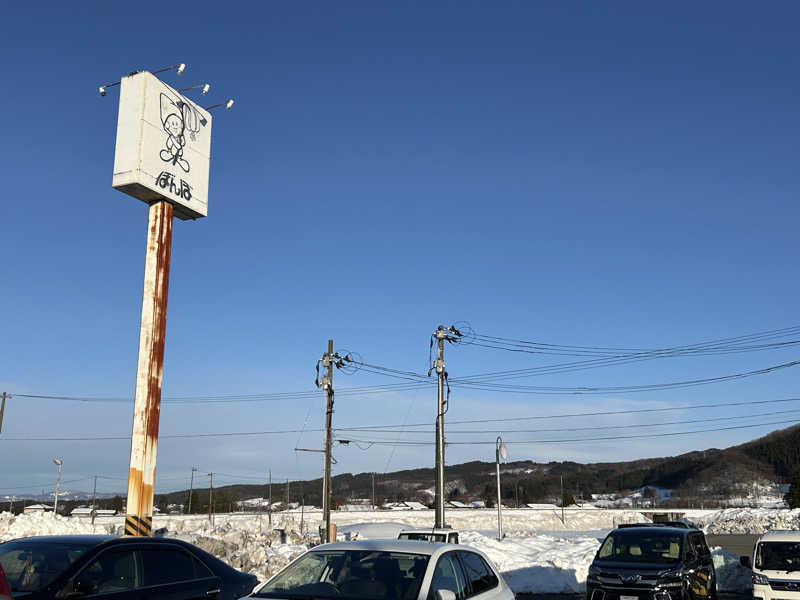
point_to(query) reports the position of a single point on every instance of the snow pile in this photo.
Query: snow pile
(731, 575)
(249, 544)
(44, 524)
(515, 519)
(541, 564)
(370, 531)
(753, 521)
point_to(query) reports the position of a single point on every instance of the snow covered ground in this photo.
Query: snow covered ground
(541, 554)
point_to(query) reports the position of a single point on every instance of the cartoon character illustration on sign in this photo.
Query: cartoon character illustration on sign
(178, 118)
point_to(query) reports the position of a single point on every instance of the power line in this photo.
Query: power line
(585, 414)
(592, 428)
(573, 440)
(393, 429)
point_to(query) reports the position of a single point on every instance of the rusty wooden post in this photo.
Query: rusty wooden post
(147, 402)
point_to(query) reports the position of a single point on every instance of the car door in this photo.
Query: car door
(114, 574)
(448, 575)
(483, 582)
(704, 570)
(171, 573)
(698, 574)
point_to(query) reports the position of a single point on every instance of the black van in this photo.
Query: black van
(652, 563)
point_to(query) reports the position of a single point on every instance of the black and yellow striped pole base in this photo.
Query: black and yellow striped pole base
(138, 526)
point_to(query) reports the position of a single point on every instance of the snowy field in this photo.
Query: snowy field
(540, 553)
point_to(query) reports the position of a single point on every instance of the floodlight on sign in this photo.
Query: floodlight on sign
(203, 87)
(227, 104)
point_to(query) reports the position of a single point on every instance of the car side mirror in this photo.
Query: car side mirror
(745, 562)
(79, 589)
(445, 595)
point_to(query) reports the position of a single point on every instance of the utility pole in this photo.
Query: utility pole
(3, 409)
(441, 335)
(373, 491)
(211, 499)
(327, 385)
(562, 500)
(287, 493)
(94, 497)
(191, 485)
(269, 502)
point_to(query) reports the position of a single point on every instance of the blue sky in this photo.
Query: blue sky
(574, 173)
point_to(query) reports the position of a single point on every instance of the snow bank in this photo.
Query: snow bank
(731, 575)
(248, 543)
(749, 520)
(541, 564)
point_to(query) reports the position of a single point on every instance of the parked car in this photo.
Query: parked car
(654, 563)
(127, 568)
(388, 570)
(5, 590)
(776, 565)
(444, 536)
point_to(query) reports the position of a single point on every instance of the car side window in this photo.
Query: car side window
(113, 571)
(448, 576)
(700, 546)
(691, 548)
(480, 575)
(169, 565)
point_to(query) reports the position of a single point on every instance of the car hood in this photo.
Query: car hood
(637, 567)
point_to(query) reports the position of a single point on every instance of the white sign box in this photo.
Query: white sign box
(163, 146)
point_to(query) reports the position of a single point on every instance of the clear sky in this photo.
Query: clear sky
(604, 174)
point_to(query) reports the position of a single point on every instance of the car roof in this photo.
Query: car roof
(407, 546)
(780, 535)
(651, 528)
(91, 540)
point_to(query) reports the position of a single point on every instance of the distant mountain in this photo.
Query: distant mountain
(708, 477)
(700, 477)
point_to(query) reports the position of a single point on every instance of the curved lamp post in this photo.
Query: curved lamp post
(500, 451)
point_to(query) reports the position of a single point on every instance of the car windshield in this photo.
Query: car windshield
(641, 547)
(361, 574)
(778, 556)
(33, 565)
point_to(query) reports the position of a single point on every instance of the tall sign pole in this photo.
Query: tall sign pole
(162, 157)
(147, 402)
(441, 335)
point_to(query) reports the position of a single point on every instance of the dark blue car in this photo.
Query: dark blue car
(73, 567)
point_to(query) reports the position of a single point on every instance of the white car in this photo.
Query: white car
(449, 536)
(776, 565)
(388, 570)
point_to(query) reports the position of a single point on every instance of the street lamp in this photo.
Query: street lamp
(59, 462)
(500, 451)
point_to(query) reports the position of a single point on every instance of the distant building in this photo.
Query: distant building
(477, 504)
(86, 511)
(457, 504)
(407, 505)
(38, 508)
